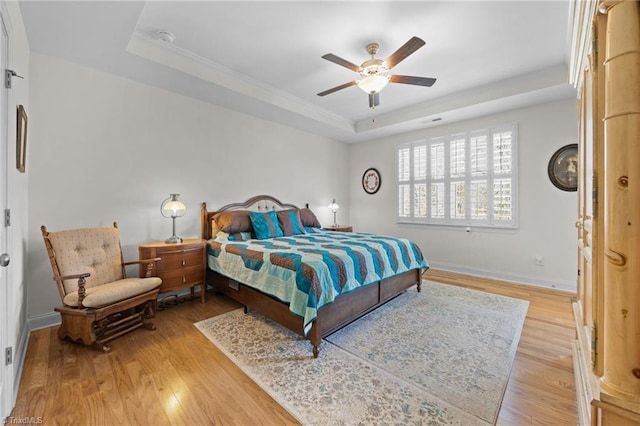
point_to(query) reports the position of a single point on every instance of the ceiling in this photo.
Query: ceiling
(264, 58)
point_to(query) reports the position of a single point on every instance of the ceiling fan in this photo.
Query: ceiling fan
(374, 71)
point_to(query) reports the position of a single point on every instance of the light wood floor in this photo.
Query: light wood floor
(174, 375)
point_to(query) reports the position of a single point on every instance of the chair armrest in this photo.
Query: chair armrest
(71, 277)
(81, 283)
(150, 263)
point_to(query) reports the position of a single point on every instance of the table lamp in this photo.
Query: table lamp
(173, 207)
(334, 208)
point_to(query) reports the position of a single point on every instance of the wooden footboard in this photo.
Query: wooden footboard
(344, 310)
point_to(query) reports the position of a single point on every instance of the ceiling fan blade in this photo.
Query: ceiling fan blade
(338, 60)
(335, 89)
(407, 79)
(374, 99)
(407, 49)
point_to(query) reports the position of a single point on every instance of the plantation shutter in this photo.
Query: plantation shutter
(462, 179)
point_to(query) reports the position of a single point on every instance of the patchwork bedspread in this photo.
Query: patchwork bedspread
(309, 271)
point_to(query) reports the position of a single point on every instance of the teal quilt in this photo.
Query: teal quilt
(309, 271)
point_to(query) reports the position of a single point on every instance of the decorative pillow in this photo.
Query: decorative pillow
(233, 221)
(265, 225)
(308, 218)
(290, 223)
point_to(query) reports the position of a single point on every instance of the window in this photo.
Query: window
(462, 179)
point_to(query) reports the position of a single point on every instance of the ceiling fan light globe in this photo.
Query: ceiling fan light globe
(373, 83)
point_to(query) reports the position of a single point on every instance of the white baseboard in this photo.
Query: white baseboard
(43, 321)
(18, 360)
(567, 286)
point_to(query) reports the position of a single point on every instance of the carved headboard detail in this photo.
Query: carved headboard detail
(261, 203)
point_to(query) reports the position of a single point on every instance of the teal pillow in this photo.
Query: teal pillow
(290, 223)
(265, 225)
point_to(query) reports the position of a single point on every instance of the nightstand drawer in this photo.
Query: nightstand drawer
(179, 259)
(181, 278)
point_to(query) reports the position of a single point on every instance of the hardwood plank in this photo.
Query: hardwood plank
(174, 375)
(108, 390)
(177, 398)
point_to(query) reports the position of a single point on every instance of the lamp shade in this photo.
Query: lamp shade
(373, 83)
(334, 206)
(173, 207)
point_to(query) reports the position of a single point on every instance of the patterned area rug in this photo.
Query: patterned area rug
(439, 357)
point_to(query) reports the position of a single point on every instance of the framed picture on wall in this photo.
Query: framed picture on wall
(21, 139)
(371, 181)
(563, 168)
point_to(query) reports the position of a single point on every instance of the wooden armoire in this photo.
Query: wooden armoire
(605, 68)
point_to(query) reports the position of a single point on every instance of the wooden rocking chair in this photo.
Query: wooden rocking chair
(99, 302)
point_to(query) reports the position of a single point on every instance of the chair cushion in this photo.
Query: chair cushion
(106, 294)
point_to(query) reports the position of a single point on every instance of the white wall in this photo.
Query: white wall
(546, 215)
(103, 148)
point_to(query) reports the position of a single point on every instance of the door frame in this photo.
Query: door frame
(7, 309)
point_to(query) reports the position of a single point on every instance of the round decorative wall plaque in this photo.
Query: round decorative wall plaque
(371, 181)
(563, 168)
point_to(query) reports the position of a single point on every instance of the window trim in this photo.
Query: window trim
(467, 178)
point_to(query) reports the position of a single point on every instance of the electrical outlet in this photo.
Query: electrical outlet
(539, 261)
(8, 355)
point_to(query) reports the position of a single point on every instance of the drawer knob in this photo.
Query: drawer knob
(184, 279)
(183, 262)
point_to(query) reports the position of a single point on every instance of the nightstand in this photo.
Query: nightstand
(339, 228)
(181, 265)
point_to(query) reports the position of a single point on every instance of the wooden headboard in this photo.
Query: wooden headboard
(261, 203)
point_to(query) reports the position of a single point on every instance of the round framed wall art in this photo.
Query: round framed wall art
(371, 181)
(563, 168)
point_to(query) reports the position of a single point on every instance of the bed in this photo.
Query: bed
(275, 258)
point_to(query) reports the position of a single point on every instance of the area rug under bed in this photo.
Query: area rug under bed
(441, 356)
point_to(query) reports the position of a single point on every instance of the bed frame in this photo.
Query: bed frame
(330, 318)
